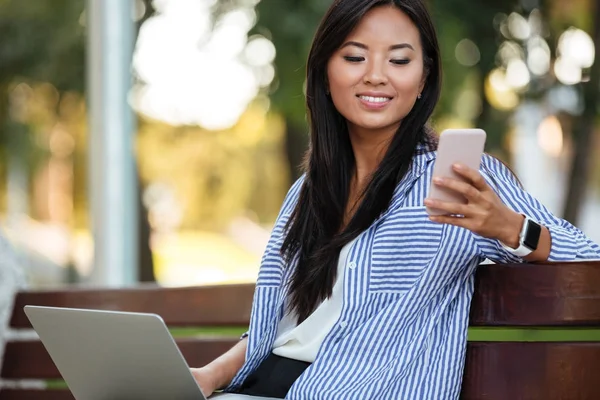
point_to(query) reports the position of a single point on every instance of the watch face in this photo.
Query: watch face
(532, 235)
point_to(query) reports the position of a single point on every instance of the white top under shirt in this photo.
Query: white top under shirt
(302, 342)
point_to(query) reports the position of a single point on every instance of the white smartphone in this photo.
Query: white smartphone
(464, 146)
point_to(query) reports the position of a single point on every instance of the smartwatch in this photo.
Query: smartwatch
(528, 238)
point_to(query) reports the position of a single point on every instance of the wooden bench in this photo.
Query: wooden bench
(512, 305)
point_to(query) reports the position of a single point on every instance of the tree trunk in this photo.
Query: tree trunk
(145, 269)
(583, 133)
(145, 262)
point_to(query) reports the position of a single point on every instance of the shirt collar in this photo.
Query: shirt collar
(423, 155)
(421, 159)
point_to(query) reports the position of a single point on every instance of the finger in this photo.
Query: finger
(472, 175)
(448, 207)
(464, 188)
(450, 220)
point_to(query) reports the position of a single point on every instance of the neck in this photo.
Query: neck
(369, 149)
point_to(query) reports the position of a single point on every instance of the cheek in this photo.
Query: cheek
(343, 77)
(342, 90)
(343, 81)
(408, 83)
(341, 103)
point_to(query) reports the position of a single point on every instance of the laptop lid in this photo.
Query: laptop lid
(110, 355)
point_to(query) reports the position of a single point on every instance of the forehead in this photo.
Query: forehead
(385, 26)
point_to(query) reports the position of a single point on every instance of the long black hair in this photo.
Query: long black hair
(314, 236)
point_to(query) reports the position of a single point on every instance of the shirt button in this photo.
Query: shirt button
(352, 265)
(343, 324)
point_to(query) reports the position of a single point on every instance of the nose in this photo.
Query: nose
(375, 74)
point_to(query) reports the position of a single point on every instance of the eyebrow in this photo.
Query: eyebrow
(364, 46)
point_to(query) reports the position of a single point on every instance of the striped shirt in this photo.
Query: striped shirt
(408, 286)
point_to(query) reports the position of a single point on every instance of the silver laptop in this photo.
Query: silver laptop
(114, 355)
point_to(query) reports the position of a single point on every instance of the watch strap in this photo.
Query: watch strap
(522, 250)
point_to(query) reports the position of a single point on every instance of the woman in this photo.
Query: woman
(361, 294)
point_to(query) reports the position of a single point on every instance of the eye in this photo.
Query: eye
(354, 59)
(400, 62)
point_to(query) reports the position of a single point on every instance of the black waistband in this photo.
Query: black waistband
(274, 377)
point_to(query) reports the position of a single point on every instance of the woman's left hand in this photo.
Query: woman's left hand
(484, 214)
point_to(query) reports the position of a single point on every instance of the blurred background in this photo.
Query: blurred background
(154, 140)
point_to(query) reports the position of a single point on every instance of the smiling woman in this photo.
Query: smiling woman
(370, 73)
(360, 294)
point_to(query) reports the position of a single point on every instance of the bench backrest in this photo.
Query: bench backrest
(558, 304)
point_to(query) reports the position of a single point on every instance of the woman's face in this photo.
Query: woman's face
(376, 75)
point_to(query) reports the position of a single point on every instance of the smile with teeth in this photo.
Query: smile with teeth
(375, 99)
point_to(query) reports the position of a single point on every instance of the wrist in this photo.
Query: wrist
(215, 375)
(513, 229)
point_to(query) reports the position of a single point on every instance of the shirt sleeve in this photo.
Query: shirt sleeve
(568, 243)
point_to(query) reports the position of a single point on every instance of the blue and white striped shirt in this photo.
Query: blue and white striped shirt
(403, 326)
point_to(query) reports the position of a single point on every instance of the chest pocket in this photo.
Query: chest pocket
(403, 245)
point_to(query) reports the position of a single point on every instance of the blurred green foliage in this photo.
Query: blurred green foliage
(43, 45)
(42, 42)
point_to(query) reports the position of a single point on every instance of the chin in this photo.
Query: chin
(374, 125)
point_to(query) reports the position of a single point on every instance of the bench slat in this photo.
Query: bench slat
(30, 360)
(494, 370)
(227, 305)
(549, 371)
(566, 294)
(30, 394)
(560, 294)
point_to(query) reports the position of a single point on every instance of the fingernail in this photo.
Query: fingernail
(458, 167)
(438, 180)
